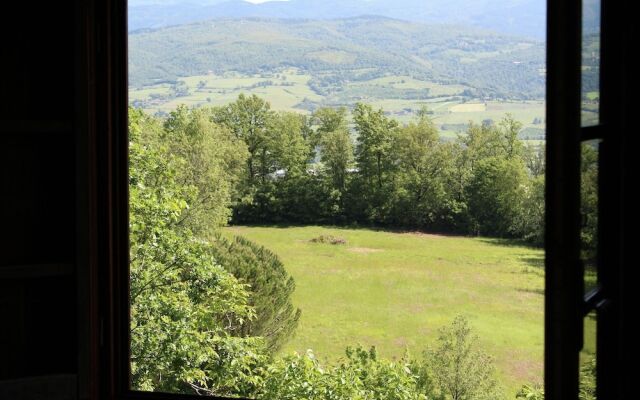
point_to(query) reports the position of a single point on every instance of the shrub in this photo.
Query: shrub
(329, 239)
(460, 370)
(269, 285)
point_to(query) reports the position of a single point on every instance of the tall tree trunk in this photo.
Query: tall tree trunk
(379, 171)
(250, 167)
(263, 161)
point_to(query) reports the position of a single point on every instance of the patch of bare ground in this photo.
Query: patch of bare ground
(364, 250)
(400, 341)
(523, 368)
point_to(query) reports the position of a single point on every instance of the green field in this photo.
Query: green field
(289, 90)
(394, 290)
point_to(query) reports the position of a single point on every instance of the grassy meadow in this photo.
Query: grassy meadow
(394, 290)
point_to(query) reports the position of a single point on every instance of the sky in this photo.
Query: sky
(261, 1)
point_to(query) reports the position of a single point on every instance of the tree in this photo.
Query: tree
(534, 157)
(509, 128)
(328, 120)
(249, 118)
(374, 144)
(495, 193)
(460, 369)
(214, 164)
(425, 165)
(589, 201)
(287, 147)
(375, 159)
(337, 157)
(481, 142)
(182, 300)
(532, 214)
(270, 288)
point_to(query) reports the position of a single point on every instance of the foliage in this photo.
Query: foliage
(336, 149)
(262, 166)
(589, 201)
(375, 161)
(495, 193)
(460, 369)
(270, 288)
(587, 383)
(361, 375)
(214, 161)
(425, 188)
(288, 143)
(249, 118)
(530, 392)
(531, 219)
(182, 300)
(588, 380)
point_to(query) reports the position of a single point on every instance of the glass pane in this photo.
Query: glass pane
(590, 62)
(334, 199)
(589, 211)
(588, 359)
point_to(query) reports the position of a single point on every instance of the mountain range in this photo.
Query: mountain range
(336, 52)
(517, 17)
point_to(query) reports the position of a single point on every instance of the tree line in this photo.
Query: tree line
(362, 167)
(328, 168)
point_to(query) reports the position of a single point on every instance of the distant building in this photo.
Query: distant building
(278, 174)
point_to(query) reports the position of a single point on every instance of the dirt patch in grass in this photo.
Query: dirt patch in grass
(400, 341)
(364, 250)
(524, 369)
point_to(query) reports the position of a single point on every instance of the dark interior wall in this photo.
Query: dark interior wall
(37, 190)
(46, 174)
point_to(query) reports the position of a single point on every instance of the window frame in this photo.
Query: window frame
(102, 98)
(566, 304)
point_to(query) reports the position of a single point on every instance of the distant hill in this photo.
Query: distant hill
(335, 51)
(519, 17)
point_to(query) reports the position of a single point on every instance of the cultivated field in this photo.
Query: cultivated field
(290, 90)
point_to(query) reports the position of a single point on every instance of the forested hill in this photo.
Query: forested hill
(338, 51)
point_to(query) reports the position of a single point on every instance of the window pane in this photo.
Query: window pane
(590, 62)
(588, 359)
(334, 199)
(589, 211)
(589, 246)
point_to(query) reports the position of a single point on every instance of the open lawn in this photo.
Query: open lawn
(394, 290)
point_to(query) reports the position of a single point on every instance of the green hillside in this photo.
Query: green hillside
(338, 52)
